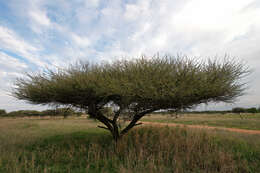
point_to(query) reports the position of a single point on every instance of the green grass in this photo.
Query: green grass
(248, 121)
(76, 145)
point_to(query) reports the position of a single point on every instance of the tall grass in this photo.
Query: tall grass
(146, 149)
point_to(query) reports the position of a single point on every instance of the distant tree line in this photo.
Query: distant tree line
(65, 112)
(246, 110)
(234, 110)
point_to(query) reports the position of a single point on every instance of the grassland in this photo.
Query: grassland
(243, 121)
(76, 145)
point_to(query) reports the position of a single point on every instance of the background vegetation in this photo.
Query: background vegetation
(34, 113)
(109, 112)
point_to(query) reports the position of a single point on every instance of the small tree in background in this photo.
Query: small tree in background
(65, 112)
(239, 110)
(252, 110)
(135, 88)
(2, 112)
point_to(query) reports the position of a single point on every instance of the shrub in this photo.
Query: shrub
(238, 110)
(2, 112)
(59, 112)
(23, 113)
(252, 110)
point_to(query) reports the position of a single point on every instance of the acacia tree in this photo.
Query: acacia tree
(134, 88)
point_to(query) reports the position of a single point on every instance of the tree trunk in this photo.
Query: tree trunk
(112, 126)
(115, 132)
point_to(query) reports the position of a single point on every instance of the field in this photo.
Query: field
(243, 121)
(77, 145)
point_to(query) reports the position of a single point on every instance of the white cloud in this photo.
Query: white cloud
(10, 41)
(40, 17)
(222, 16)
(105, 30)
(132, 12)
(9, 103)
(91, 3)
(12, 65)
(10, 68)
(81, 41)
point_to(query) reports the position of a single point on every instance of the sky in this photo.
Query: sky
(40, 34)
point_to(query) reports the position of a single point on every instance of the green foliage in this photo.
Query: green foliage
(238, 110)
(2, 112)
(143, 83)
(245, 110)
(135, 87)
(252, 110)
(65, 112)
(49, 112)
(23, 113)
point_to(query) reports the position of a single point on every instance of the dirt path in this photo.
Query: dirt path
(204, 127)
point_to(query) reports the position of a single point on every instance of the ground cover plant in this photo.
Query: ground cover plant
(76, 145)
(135, 88)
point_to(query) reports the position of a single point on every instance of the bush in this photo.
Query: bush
(252, 110)
(49, 112)
(238, 110)
(243, 110)
(65, 112)
(2, 112)
(24, 113)
(59, 112)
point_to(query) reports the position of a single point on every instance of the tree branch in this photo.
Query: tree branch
(109, 120)
(136, 118)
(102, 127)
(105, 121)
(117, 113)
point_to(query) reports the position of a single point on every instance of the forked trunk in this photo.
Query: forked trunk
(115, 132)
(112, 126)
